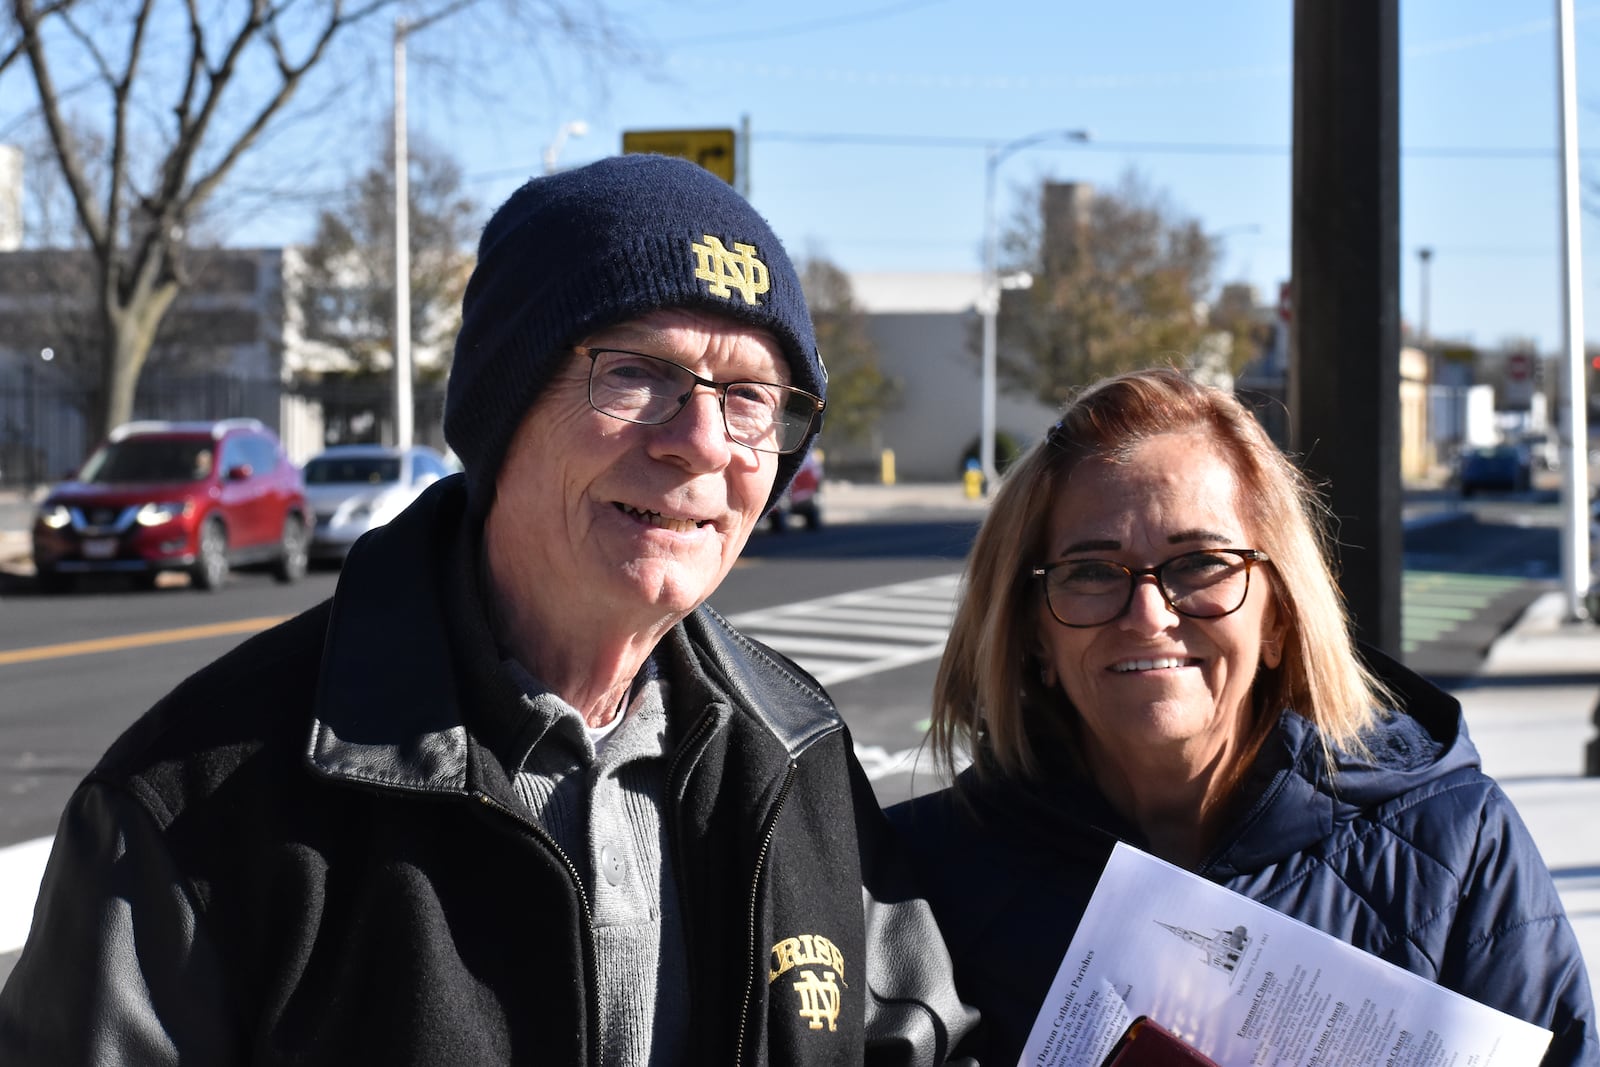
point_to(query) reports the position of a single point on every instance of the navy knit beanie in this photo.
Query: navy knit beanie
(578, 251)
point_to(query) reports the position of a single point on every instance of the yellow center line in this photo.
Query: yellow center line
(152, 637)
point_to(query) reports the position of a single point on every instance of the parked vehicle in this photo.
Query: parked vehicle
(1544, 450)
(800, 499)
(198, 497)
(1506, 467)
(356, 488)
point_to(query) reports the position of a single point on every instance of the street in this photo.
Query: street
(864, 606)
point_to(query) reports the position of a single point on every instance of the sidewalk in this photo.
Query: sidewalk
(1532, 714)
(16, 518)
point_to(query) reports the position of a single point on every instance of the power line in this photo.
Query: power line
(1150, 147)
(968, 143)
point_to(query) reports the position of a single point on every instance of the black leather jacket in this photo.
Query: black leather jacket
(311, 852)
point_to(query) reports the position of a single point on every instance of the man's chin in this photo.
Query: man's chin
(671, 585)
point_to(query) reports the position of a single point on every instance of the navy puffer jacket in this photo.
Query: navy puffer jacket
(1413, 854)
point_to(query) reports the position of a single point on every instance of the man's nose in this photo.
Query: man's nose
(697, 433)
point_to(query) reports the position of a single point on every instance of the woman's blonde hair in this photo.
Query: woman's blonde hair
(989, 677)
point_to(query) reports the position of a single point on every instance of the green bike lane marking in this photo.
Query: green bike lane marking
(1433, 603)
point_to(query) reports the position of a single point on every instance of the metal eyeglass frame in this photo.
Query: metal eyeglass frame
(720, 388)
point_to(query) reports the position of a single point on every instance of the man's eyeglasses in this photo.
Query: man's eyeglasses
(1207, 584)
(649, 390)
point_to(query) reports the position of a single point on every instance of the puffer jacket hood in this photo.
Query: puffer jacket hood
(1298, 802)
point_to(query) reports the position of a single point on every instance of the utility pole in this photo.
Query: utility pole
(1574, 426)
(1344, 364)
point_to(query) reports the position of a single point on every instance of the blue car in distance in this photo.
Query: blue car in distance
(1504, 467)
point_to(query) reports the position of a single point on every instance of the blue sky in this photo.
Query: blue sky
(870, 121)
(1196, 97)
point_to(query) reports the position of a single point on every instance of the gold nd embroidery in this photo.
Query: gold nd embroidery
(726, 271)
(805, 949)
(819, 1000)
(818, 989)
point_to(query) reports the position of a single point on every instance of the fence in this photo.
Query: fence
(45, 429)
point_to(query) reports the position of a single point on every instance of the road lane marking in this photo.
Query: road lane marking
(860, 633)
(21, 870)
(144, 640)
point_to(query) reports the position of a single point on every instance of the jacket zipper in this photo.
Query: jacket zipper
(755, 886)
(675, 789)
(592, 979)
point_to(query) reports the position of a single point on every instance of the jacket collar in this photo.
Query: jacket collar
(387, 711)
(411, 695)
(1296, 803)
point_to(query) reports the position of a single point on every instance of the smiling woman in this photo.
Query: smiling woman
(1151, 649)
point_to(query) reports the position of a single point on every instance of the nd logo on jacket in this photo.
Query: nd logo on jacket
(821, 974)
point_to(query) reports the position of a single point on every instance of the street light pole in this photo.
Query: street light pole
(1425, 259)
(989, 299)
(403, 406)
(575, 128)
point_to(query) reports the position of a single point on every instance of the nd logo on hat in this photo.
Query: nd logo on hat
(726, 271)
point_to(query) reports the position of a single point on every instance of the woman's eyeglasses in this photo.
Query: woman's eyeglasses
(1207, 584)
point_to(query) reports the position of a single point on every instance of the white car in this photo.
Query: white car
(356, 488)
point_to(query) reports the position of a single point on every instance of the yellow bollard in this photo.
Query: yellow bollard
(972, 480)
(886, 466)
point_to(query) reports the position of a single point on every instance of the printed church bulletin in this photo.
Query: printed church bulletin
(1250, 987)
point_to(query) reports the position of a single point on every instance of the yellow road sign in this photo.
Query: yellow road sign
(712, 149)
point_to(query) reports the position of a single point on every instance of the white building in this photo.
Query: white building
(925, 328)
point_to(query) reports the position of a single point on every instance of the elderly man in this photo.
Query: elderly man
(514, 795)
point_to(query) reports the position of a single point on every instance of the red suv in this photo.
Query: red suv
(199, 497)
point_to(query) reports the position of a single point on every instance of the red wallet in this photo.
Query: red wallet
(1146, 1043)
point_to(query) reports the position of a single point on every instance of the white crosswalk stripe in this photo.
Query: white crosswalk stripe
(864, 632)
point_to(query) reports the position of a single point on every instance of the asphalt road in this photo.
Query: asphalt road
(61, 706)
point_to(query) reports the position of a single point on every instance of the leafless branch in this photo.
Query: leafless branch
(29, 20)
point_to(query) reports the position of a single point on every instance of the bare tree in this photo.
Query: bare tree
(858, 390)
(347, 291)
(183, 92)
(1119, 281)
(11, 39)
